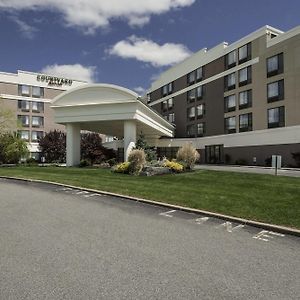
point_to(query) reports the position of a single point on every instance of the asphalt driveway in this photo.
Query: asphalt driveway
(60, 243)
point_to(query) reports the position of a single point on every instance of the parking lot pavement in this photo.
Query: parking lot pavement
(251, 169)
(63, 243)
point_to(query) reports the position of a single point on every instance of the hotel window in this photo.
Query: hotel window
(245, 122)
(200, 111)
(275, 65)
(229, 81)
(164, 105)
(245, 53)
(165, 90)
(229, 103)
(191, 113)
(245, 76)
(24, 134)
(171, 118)
(199, 74)
(24, 90)
(230, 59)
(191, 130)
(191, 78)
(230, 125)
(148, 98)
(37, 92)
(37, 121)
(199, 92)
(36, 135)
(200, 129)
(170, 103)
(24, 120)
(24, 105)
(170, 88)
(191, 96)
(37, 106)
(276, 117)
(245, 99)
(275, 91)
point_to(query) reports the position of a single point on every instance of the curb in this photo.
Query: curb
(266, 226)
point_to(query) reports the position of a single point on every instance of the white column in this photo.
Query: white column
(73, 144)
(129, 137)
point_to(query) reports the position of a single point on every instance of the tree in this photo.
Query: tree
(93, 150)
(7, 119)
(141, 144)
(12, 148)
(53, 146)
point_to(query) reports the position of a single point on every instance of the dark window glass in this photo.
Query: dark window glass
(230, 103)
(276, 117)
(230, 125)
(245, 122)
(275, 65)
(229, 82)
(245, 99)
(191, 113)
(245, 53)
(275, 91)
(191, 130)
(200, 129)
(24, 105)
(191, 96)
(245, 76)
(230, 59)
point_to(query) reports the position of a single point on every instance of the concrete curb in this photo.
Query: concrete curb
(266, 226)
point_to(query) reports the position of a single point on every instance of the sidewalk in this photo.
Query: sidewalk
(293, 172)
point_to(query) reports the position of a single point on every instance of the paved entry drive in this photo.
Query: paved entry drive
(61, 243)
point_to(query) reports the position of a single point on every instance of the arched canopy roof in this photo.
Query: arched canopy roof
(104, 108)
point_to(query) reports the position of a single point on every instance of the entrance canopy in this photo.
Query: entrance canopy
(107, 109)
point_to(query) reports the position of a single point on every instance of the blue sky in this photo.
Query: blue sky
(126, 42)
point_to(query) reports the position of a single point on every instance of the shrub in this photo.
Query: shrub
(84, 163)
(188, 154)
(122, 167)
(31, 161)
(111, 161)
(137, 159)
(174, 166)
(241, 162)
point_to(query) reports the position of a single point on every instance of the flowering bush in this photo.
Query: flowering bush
(174, 166)
(122, 167)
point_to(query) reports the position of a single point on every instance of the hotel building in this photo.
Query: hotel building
(29, 95)
(237, 102)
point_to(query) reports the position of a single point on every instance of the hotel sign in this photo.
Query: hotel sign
(51, 80)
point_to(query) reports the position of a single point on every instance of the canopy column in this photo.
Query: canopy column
(129, 137)
(73, 144)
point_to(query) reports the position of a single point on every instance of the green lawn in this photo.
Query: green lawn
(263, 198)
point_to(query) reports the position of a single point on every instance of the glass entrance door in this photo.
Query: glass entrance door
(214, 154)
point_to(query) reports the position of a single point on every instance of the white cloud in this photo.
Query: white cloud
(140, 90)
(27, 30)
(75, 71)
(149, 51)
(92, 14)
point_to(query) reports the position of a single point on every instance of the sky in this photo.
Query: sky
(126, 42)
